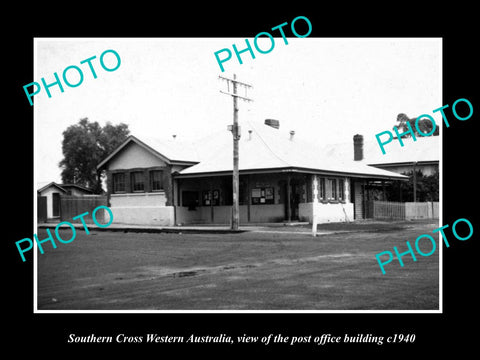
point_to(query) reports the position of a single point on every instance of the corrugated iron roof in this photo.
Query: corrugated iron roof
(266, 148)
(269, 148)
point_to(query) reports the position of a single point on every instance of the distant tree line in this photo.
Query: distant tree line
(424, 125)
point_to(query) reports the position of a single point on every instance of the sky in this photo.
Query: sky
(326, 89)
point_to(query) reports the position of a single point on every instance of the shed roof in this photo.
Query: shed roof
(64, 187)
(51, 184)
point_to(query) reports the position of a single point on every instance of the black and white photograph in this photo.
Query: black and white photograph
(276, 187)
(156, 141)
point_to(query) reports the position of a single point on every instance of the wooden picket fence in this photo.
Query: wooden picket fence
(72, 206)
(388, 210)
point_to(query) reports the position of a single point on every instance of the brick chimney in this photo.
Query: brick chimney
(358, 147)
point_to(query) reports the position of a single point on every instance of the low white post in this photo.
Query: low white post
(314, 205)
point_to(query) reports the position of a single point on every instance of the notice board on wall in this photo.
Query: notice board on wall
(263, 195)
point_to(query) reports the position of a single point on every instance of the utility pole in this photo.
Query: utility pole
(415, 182)
(235, 129)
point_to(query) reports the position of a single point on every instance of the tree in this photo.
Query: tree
(424, 125)
(84, 145)
(427, 188)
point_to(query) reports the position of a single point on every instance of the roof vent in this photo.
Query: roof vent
(292, 134)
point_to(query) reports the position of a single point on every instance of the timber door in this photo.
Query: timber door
(295, 200)
(358, 199)
(293, 192)
(56, 204)
(41, 208)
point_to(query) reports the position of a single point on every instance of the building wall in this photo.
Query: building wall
(263, 197)
(267, 213)
(138, 199)
(270, 206)
(223, 214)
(147, 207)
(144, 215)
(141, 209)
(204, 215)
(276, 211)
(134, 156)
(327, 212)
(48, 194)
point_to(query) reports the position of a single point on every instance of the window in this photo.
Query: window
(331, 189)
(137, 181)
(341, 189)
(334, 189)
(321, 190)
(156, 181)
(119, 183)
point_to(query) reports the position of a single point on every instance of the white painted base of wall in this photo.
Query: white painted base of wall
(144, 215)
(141, 209)
(223, 214)
(326, 212)
(150, 209)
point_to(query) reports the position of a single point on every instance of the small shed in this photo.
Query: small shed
(49, 198)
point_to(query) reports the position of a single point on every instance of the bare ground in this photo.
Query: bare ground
(254, 270)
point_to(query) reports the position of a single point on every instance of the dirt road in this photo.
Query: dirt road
(247, 271)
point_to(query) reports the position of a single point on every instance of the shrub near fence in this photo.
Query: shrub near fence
(405, 211)
(71, 206)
